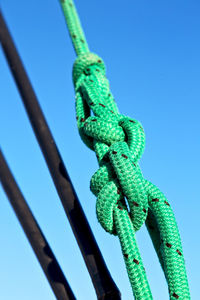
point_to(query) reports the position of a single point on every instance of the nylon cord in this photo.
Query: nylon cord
(74, 26)
(119, 142)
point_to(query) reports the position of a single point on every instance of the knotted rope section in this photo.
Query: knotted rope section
(117, 140)
(125, 200)
(119, 143)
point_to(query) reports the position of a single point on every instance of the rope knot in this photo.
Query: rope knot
(117, 140)
(120, 176)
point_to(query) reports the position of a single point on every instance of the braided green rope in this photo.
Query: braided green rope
(118, 142)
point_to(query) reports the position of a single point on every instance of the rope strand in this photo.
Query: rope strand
(74, 26)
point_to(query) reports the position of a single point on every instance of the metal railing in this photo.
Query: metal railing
(102, 281)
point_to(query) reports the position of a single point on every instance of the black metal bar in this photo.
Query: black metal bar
(34, 234)
(101, 278)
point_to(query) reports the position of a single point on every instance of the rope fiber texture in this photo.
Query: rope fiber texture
(125, 200)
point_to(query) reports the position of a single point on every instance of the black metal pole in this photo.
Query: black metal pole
(34, 234)
(101, 278)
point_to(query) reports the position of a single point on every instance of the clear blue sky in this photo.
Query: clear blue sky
(151, 49)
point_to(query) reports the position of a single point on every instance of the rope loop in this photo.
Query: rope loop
(83, 62)
(135, 136)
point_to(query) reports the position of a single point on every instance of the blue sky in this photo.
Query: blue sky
(151, 50)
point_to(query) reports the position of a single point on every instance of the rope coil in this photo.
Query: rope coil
(118, 142)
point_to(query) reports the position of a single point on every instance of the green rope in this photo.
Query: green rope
(118, 142)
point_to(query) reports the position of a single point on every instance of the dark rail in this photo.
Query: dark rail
(34, 234)
(101, 278)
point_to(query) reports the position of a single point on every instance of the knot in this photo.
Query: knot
(116, 129)
(120, 176)
(117, 140)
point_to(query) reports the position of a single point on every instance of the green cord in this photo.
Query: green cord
(74, 26)
(118, 142)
